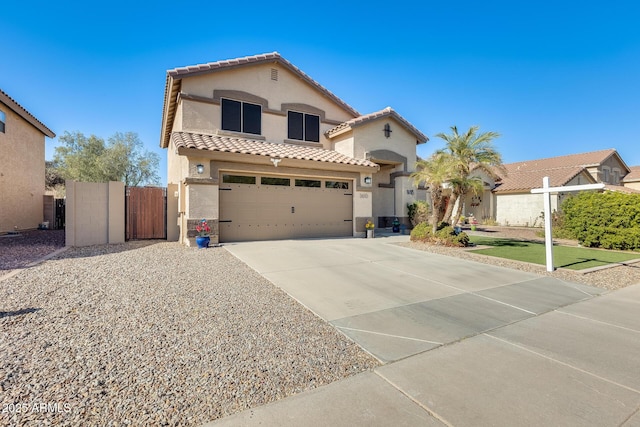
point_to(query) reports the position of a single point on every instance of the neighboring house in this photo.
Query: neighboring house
(263, 151)
(512, 202)
(22, 181)
(632, 179)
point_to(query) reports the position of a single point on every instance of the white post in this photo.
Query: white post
(548, 238)
(546, 192)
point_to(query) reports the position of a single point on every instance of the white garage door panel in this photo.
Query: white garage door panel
(264, 212)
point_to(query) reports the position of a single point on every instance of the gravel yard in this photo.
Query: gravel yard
(151, 333)
(16, 251)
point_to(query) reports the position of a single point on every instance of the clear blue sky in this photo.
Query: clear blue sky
(552, 77)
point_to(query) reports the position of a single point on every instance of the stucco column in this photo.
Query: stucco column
(405, 193)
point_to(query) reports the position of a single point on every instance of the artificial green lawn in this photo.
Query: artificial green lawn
(570, 257)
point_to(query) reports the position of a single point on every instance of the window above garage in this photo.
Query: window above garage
(242, 117)
(303, 126)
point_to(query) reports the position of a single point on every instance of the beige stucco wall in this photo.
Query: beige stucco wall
(173, 198)
(288, 89)
(486, 207)
(94, 213)
(21, 174)
(383, 198)
(522, 209)
(370, 137)
(633, 185)
(405, 194)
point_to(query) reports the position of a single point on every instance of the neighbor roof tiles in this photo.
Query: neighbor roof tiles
(524, 176)
(634, 175)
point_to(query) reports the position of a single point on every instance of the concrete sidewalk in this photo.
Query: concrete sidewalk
(506, 347)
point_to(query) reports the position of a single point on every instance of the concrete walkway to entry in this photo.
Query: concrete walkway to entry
(462, 343)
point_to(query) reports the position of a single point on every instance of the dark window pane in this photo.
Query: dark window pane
(238, 179)
(337, 184)
(295, 125)
(307, 183)
(251, 118)
(311, 128)
(231, 115)
(267, 180)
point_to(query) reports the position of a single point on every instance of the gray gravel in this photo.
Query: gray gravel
(156, 334)
(16, 251)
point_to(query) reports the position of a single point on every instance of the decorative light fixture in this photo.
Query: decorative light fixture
(200, 168)
(387, 130)
(367, 180)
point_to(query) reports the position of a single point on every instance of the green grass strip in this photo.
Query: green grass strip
(570, 257)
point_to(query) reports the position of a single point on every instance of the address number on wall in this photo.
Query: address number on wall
(364, 195)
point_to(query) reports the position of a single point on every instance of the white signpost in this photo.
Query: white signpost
(546, 192)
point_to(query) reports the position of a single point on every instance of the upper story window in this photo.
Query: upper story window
(304, 127)
(616, 177)
(241, 117)
(605, 175)
(3, 120)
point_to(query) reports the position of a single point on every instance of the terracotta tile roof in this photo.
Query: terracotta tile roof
(261, 148)
(634, 175)
(22, 112)
(525, 180)
(173, 83)
(621, 189)
(358, 121)
(523, 176)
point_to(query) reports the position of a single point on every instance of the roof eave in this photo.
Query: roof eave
(266, 160)
(22, 112)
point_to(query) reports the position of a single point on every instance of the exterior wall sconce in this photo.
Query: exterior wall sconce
(275, 161)
(200, 169)
(387, 130)
(367, 180)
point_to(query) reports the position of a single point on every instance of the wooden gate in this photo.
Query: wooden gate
(146, 213)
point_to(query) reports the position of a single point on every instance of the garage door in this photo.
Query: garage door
(259, 207)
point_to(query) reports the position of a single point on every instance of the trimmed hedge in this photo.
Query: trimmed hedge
(608, 220)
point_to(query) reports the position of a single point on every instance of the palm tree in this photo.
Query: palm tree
(467, 151)
(434, 172)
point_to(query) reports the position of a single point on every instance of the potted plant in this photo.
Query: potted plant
(203, 229)
(473, 221)
(369, 226)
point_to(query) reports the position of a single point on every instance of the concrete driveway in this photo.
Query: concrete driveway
(506, 348)
(396, 302)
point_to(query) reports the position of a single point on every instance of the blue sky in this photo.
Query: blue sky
(552, 78)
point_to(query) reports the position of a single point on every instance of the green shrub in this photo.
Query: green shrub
(421, 231)
(418, 212)
(609, 220)
(445, 235)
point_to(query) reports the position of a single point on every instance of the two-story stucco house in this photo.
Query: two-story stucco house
(263, 151)
(22, 182)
